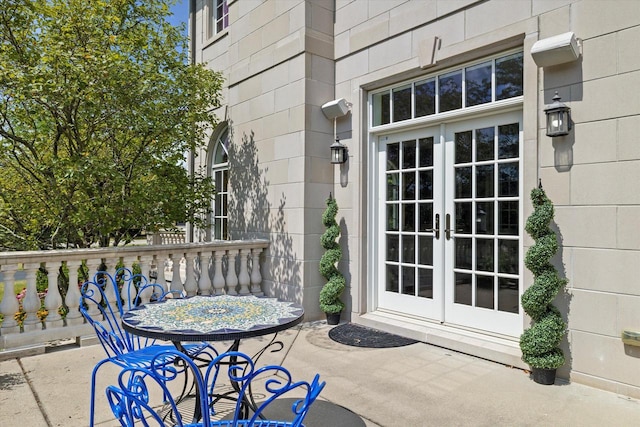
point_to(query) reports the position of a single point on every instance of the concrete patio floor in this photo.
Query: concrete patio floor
(415, 385)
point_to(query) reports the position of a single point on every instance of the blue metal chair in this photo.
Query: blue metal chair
(103, 301)
(132, 400)
(273, 381)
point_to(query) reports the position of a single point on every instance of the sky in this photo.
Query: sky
(180, 12)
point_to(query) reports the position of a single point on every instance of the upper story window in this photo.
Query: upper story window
(218, 16)
(482, 83)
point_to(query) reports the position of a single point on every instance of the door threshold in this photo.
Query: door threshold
(504, 350)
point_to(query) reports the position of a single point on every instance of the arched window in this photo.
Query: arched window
(220, 174)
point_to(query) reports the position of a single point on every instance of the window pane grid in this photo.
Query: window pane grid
(409, 210)
(477, 84)
(486, 265)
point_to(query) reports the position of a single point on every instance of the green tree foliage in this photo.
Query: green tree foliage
(539, 344)
(98, 105)
(330, 293)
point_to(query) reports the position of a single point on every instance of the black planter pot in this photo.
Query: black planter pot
(333, 318)
(544, 376)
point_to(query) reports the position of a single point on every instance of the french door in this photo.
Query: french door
(449, 223)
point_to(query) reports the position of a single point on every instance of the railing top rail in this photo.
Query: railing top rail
(80, 254)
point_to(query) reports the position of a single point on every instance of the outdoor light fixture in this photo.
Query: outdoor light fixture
(332, 110)
(558, 117)
(338, 152)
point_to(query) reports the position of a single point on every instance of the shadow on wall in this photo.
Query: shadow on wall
(563, 302)
(567, 80)
(251, 217)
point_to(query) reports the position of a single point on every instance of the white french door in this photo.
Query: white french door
(449, 209)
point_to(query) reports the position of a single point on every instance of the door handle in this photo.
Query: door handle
(436, 227)
(447, 227)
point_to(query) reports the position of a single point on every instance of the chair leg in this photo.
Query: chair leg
(92, 404)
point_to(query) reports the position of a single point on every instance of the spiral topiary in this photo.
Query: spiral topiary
(330, 294)
(539, 343)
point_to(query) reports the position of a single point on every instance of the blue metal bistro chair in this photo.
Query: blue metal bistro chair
(103, 301)
(135, 400)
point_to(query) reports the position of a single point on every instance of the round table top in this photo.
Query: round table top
(212, 318)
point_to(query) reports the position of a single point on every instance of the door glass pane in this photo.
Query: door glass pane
(393, 217)
(484, 255)
(425, 94)
(478, 84)
(393, 156)
(463, 218)
(408, 217)
(381, 108)
(508, 218)
(508, 141)
(409, 154)
(508, 180)
(409, 249)
(463, 253)
(484, 144)
(426, 185)
(508, 295)
(402, 104)
(408, 281)
(508, 256)
(509, 76)
(425, 248)
(426, 152)
(450, 91)
(392, 284)
(392, 248)
(484, 291)
(425, 217)
(393, 186)
(463, 144)
(484, 181)
(463, 182)
(484, 217)
(409, 186)
(462, 291)
(425, 283)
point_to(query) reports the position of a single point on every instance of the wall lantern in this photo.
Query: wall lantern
(338, 152)
(558, 117)
(332, 110)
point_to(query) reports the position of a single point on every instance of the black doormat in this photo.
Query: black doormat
(361, 336)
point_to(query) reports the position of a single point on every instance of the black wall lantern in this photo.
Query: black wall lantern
(338, 152)
(558, 117)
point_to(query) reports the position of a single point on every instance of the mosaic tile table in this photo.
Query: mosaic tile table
(212, 318)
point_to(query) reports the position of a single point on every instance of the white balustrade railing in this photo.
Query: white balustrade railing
(34, 318)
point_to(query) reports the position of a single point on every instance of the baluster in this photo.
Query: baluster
(204, 282)
(93, 264)
(111, 293)
(31, 302)
(243, 278)
(9, 305)
(128, 291)
(232, 278)
(218, 278)
(190, 284)
(256, 277)
(160, 279)
(72, 299)
(145, 269)
(53, 300)
(176, 281)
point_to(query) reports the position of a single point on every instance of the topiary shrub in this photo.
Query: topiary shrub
(539, 343)
(330, 293)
